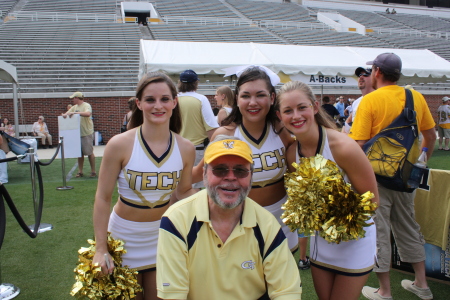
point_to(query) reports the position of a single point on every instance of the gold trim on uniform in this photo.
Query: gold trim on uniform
(150, 157)
(146, 202)
(324, 137)
(146, 267)
(250, 141)
(345, 270)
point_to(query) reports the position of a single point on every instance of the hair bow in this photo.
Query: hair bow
(274, 79)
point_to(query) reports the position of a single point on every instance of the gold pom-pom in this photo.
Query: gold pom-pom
(319, 199)
(92, 284)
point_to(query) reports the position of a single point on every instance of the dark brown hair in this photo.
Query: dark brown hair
(388, 76)
(252, 74)
(184, 87)
(155, 77)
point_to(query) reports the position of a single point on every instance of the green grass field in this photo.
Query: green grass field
(43, 267)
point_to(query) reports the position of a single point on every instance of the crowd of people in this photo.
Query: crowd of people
(227, 241)
(200, 196)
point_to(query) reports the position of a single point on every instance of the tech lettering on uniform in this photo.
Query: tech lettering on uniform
(154, 180)
(327, 79)
(262, 162)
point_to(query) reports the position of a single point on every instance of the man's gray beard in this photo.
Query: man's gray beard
(214, 195)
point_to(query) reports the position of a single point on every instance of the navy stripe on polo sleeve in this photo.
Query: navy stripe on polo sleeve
(168, 226)
(279, 238)
(192, 235)
(259, 238)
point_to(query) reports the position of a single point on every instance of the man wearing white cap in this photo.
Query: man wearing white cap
(84, 109)
(376, 111)
(443, 117)
(219, 244)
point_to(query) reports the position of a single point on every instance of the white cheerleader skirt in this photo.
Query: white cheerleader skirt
(352, 258)
(291, 237)
(141, 240)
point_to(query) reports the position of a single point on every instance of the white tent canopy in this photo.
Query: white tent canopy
(8, 73)
(210, 58)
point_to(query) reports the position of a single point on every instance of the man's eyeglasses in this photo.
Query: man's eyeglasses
(364, 74)
(223, 171)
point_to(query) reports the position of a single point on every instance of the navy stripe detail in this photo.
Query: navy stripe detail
(256, 141)
(259, 238)
(142, 206)
(192, 235)
(279, 238)
(258, 186)
(147, 270)
(264, 297)
(340, 272)
(319, 144)
(156, 158)
(168, 226)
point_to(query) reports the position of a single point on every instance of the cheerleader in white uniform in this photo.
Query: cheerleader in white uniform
(148, 166)
(339, 270)
(254, 120)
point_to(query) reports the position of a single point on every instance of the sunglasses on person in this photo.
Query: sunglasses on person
(237, 172)
(364, 74)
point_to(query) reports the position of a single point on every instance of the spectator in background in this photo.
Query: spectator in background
(365, 85)
(225, 99)
(69, 106)
(127, 117)
(84, 109)
(396, 210)
(7, 127)
(3, 166)
(443, 117)
(198, 120)
(340, 106)
(40, 129)
(329, 108)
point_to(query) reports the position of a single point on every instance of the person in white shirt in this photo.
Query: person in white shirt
(40, 129)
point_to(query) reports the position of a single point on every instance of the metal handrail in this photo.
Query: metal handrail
(58, 16)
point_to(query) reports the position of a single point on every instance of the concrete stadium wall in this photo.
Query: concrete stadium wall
(108, 112)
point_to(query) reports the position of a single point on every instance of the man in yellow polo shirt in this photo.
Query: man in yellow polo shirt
(376, 111)
(219, 244)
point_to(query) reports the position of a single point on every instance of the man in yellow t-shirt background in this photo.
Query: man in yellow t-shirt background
(84, 109)
(396, 212)
(443, 117)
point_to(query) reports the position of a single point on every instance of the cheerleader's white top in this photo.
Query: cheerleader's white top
(269, 156)
(147, 181)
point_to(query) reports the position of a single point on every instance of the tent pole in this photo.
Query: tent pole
(16, 110)
(321, 94)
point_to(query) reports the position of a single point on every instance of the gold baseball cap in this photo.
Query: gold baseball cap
(228, 147)
(77, 95)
